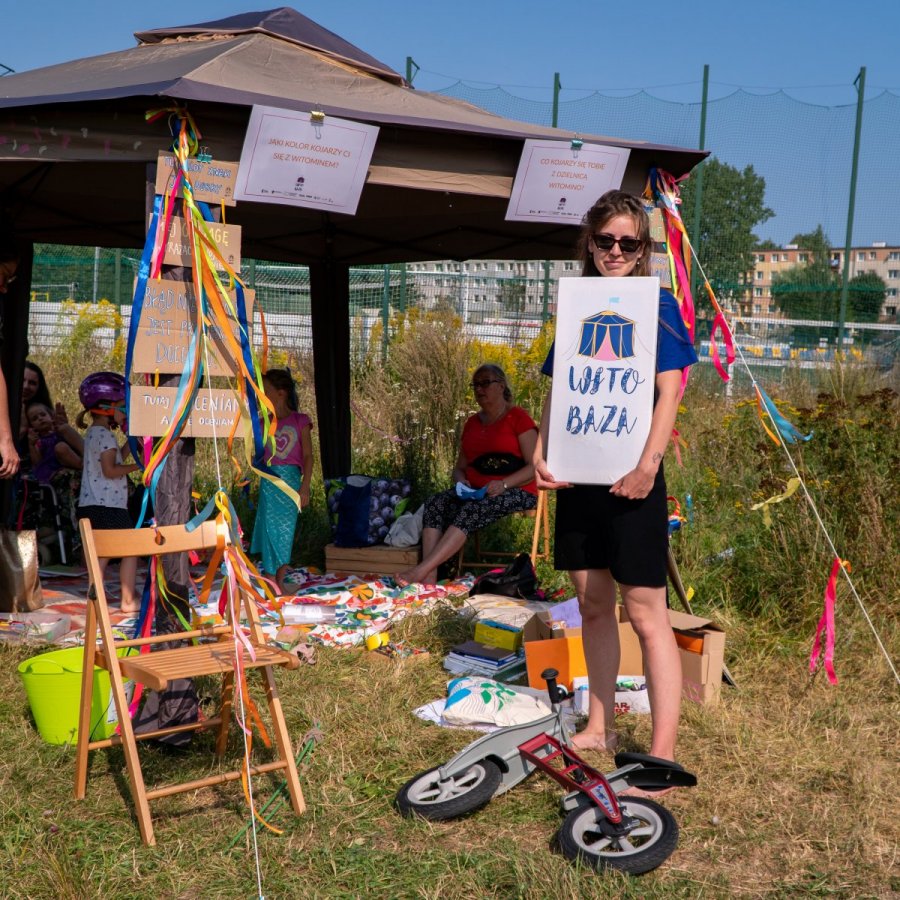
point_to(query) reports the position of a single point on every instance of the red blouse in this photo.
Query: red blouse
(501, 436)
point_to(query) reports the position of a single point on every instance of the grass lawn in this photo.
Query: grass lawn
(797, 794)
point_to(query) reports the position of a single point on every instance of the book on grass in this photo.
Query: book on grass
(491, 655)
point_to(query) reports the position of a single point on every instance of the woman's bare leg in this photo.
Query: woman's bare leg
(646, 608)
(127, 578)
(596, 591)
(434, 552)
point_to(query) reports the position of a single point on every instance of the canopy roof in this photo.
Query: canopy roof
(75, 147)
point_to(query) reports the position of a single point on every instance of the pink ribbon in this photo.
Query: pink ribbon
(826, 624)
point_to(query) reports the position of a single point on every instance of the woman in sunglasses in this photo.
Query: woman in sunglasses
(617, 535)
(493, 476)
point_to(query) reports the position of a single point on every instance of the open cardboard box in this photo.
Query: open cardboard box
(701, 647)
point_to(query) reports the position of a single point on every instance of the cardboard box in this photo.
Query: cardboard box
(701, 647)
(377, 560)
(505, 638)
(566, 654)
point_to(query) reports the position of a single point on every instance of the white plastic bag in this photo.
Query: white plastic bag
(406, 530)
(473, 700)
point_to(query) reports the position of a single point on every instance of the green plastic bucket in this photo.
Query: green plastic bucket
(53, 685)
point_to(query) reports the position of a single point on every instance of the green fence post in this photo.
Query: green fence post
(545, 294)
(385, 311)
(403, 287)
(410, 62)
(556, 87)
(698, 199)
(860, 83)
(117, 294)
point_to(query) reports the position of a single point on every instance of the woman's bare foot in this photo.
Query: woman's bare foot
(601, 742)
(130, 610)
(645, 793)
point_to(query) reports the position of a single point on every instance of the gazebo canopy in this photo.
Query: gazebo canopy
(77, 160)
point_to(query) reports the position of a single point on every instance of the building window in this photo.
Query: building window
(894, 256)
(802, 257)
(759, 276)
(873, 254)
(891, 310)
(893, 273)
(774, 257)
(891, 292)
(860, 257)
(568, 267)
(784, 257)
(757, 308)
(757, 292)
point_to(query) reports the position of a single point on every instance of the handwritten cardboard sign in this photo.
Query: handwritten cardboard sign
(556, 183)
(227, 239)
(212, 182)
(215, 409)
(290, 157)
(168, 317)
(604, 371)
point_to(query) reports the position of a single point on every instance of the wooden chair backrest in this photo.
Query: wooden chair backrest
(154, 541)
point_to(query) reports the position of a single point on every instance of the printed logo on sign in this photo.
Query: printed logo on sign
(607, 335)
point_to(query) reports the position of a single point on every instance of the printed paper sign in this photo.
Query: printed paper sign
(150, 412)
(212, 182)
(168, 314)
(291, 158)
(227, 239)
(604, 370)
(556, 183)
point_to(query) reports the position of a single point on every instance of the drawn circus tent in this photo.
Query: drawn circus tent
(607, 335)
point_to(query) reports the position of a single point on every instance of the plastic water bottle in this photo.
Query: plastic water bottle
(689, 507)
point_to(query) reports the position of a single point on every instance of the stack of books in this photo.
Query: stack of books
(475, 658)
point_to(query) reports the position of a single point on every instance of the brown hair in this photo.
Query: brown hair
(281, 380)
(610, 205)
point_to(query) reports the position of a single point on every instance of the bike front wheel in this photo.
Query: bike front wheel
(648, 842)
(428, 796)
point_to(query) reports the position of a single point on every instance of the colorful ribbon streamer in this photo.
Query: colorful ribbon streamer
(826, 624)
(767, 409)
(790, 489)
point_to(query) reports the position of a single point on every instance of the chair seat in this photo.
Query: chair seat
(156, 669)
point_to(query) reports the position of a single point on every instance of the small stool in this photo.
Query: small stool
(540, 541)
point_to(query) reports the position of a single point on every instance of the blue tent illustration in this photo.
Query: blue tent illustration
(607, 335)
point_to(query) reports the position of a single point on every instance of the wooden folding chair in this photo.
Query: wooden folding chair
(540, 541)
(216, 655)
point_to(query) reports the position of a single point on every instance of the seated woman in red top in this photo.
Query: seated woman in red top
(495, 455)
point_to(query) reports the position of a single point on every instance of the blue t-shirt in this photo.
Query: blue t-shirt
(674, 349)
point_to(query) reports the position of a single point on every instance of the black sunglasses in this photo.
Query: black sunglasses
(627, 245)
(483, 383)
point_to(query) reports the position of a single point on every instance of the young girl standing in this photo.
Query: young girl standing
(104, 485)
(292, 461)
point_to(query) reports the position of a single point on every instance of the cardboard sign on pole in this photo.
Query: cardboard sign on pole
(604, 371)
(559, 182)
(168, 314)
(304, 159)
(227, 239)
(212, 182)
(215, 409)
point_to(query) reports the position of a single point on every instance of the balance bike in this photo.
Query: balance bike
(631, 834)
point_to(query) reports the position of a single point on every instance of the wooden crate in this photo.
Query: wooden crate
(378, 560)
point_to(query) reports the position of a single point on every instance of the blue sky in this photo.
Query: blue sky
(814, 47)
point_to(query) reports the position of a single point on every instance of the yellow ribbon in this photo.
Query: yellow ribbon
(790, 490)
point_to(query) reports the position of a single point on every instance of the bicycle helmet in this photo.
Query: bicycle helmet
(101, 389)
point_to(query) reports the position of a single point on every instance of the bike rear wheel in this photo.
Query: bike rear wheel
(427, 796)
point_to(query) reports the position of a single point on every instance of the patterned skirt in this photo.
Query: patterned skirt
(276, 520)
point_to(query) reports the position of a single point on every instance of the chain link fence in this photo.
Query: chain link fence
(497, 302)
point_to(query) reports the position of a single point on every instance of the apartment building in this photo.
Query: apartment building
(879, 258)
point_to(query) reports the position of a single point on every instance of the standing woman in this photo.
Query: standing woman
(618, 535)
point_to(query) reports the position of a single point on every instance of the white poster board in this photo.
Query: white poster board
(558, 183)
(604, 370)
(291, 158)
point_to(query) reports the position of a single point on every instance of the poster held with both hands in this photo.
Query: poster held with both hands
(604, 373)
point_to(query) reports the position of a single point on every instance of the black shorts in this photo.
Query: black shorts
(597, 530)
(103, 518)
